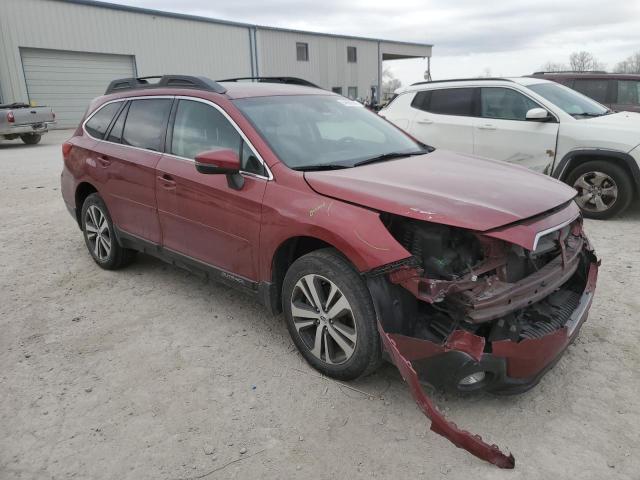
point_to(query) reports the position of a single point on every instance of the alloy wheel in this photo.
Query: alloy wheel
(98, 233)
(323, 319)
(597, 191)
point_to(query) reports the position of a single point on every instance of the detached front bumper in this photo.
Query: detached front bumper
(508, 367)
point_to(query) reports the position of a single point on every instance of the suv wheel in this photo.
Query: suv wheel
(99, 235)
(330, 315)
(30, 138)
(604, 188)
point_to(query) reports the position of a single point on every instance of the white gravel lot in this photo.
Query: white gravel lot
(151, 373)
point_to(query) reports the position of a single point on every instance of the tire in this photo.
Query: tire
(31, 138)
(601, 177)
(343, 336)
(99, 235)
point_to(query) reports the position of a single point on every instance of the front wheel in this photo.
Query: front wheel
(31, 138)
(604, 188)
(99, 235)
(330, 315)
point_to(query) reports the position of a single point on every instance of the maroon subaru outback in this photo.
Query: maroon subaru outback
(466, 273)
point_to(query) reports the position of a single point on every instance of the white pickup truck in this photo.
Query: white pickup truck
(24, 121)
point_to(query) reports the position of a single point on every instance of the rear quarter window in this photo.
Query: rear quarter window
(99, 123)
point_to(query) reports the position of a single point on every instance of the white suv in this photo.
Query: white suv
(534, 123)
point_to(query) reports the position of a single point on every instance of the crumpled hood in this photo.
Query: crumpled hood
(445, 187)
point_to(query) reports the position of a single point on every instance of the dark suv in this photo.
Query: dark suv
(474, 273)
(618, 91)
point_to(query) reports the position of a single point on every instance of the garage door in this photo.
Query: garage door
(68, 81)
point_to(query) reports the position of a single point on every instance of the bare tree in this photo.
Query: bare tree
(629, 65)
(389, 83)
(584, 62)
(553, 67)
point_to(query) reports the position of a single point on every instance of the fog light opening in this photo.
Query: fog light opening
(473, 379)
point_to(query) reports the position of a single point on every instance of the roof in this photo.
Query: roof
(198, 18)
(472, 82)
(572, 75)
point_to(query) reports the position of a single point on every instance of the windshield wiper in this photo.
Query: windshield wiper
(315, 168)
(389, 156)
(591, 114)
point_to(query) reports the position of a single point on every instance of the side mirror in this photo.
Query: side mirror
(538, 115)
(225, 162)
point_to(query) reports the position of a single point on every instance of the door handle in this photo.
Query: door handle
(167, 181)
(486, 126)
(104, 161)
(425, 121)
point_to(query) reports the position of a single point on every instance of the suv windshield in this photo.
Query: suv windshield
(312, 132)
(572, 102)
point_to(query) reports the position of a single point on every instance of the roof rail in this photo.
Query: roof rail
(179, 81)
(288, 80)
(570, 71)
(462, 80)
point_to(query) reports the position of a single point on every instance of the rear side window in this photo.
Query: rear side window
(452, 101)
(505, 104)
(592, 88)
(629, 92)
(100, 121)
(145, 124)
(115, 135)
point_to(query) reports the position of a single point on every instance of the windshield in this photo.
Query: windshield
(572, 102)
(315, 131)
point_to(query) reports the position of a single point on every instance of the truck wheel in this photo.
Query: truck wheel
(31, 138)
(330, 315)
(99, 235)
(604, 188)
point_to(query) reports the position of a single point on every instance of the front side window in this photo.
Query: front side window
(99, 123)
(505, 104)
(592, 88)
(629, 92)
(421, 100)
(570, 101)
(302, 52)
(146, 123)
(315, 131)
(352, 55)
(452, 101)
(199, 127)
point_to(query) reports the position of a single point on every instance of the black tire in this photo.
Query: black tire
(616, 174)
(31, 138)
(117, 256)
(328, 264)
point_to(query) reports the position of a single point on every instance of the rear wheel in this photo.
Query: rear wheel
(330, 315)
(31, 138)
(99, 235)
(604, 188)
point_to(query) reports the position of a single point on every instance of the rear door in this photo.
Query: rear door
(627, 95)
(503, 133)
(202, 216)
(127, 158)
(444, 119)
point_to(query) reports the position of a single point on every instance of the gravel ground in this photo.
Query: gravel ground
(152, 373)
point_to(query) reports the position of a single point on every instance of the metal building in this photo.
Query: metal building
(63, 53)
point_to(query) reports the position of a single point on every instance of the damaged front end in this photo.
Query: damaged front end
(486, 311)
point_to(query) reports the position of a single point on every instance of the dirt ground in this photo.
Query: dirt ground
(151, 373)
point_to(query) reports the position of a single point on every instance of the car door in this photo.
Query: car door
(627, 96)
(127, 158)
(203, 216)
(443, 118)
(502, 131)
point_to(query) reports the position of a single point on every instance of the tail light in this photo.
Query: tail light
(66, 149)
(10, 117)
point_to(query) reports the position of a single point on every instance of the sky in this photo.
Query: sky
(470, 37)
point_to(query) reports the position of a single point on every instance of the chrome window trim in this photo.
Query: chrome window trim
(183, 97)
(541, 234)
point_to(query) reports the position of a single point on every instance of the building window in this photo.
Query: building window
(302, 52)
(337, 90)
(352, 93)
(352, 55)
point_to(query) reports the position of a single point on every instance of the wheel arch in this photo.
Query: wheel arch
(83, 190)
(576, 157)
